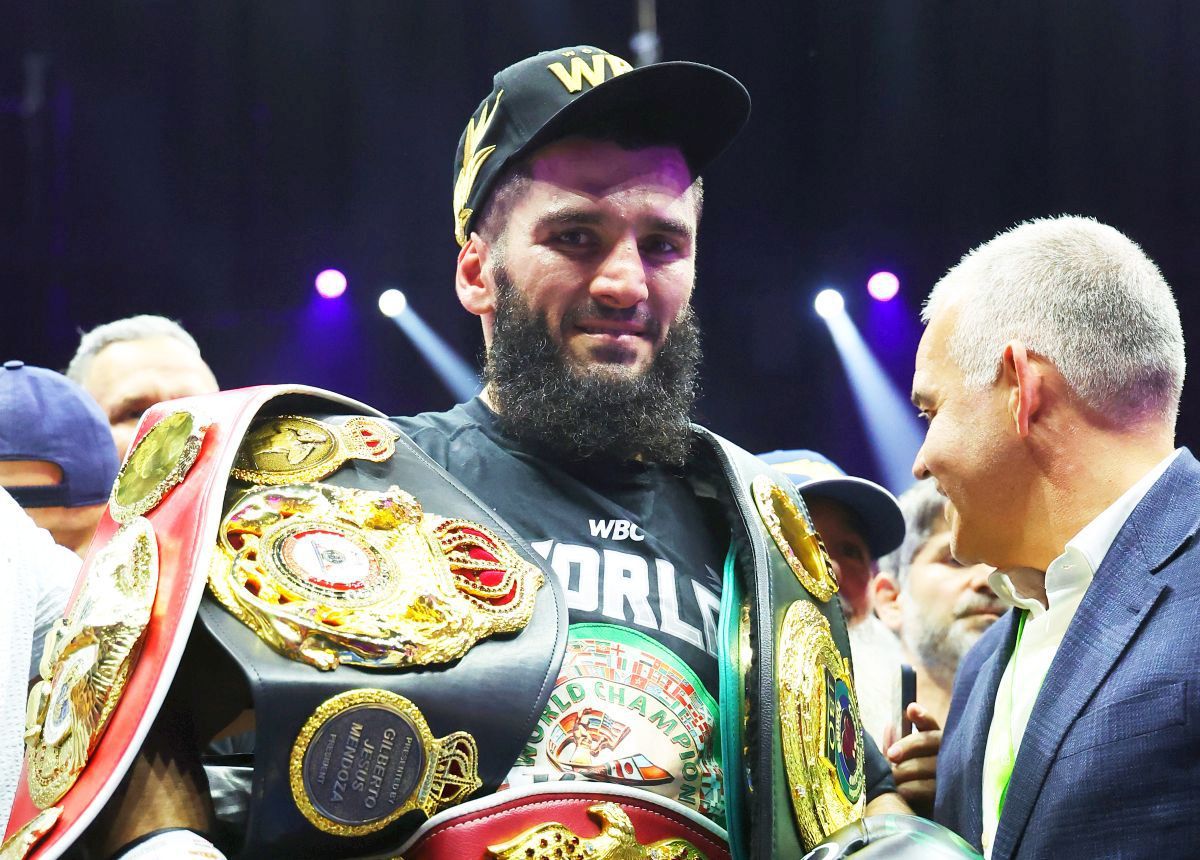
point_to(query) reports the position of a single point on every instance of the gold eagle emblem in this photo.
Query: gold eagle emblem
(616, 841)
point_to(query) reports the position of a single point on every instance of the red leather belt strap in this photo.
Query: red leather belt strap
(466, 836)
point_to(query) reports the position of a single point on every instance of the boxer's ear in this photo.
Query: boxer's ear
(473, 278)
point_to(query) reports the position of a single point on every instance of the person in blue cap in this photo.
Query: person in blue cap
(859, 521)
(57, 457)
(57, 462)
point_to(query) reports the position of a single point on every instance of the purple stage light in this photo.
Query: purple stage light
(330, 283)
(883, 286)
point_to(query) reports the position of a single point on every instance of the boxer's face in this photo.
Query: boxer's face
(602, 247)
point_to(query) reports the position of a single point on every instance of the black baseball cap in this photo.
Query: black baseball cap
(568, 91)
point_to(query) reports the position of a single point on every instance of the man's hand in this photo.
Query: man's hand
(914, 760)
(887, 804)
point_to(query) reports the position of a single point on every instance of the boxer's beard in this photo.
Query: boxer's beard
(590, 412)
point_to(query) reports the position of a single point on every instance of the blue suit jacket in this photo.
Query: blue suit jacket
(1110, 762)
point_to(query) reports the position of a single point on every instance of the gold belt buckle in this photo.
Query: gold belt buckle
(328, 575)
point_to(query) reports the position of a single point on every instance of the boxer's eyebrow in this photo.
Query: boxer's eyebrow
(672, 226)
(569, 213)
(571, 216)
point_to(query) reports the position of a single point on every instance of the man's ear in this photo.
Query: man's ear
(1024, 382)
(885, 597)
(472, 278)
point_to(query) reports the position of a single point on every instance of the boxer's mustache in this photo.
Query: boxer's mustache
(592, 310)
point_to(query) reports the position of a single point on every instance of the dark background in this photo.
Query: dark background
(205, 159)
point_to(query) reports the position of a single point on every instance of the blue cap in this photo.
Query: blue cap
(45, 416)
(816, 475)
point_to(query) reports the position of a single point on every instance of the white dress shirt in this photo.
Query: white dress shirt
(36, 577)
(1067, 579)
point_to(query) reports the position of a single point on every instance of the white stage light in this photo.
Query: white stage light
(392, 303)
(829, 303)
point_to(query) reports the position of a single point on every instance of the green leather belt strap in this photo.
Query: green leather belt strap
(732, 705)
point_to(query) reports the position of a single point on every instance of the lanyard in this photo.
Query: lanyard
(1004, 777)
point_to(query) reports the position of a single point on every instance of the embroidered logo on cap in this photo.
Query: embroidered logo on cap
(473, 159)
(590, 69)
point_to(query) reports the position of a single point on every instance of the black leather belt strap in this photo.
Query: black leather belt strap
(496, 692)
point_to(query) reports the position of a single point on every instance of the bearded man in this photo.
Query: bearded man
(578, 246)
(936, 606)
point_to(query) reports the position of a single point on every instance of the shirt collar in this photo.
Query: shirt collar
(1071, 573)
(1001, 583)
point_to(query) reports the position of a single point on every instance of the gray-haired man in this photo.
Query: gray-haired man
(130, 364)
(1050, 373)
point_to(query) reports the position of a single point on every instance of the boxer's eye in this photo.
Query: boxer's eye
(659, 246)
(574, 238)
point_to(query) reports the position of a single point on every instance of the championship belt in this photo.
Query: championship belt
(792, 739)
(394, 639)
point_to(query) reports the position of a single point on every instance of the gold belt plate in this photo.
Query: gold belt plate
(160, 460)
(795, 537)
(87, 659)
(823, 745)
(17, 846)
(292, 449)
(329, 575)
